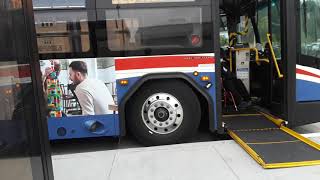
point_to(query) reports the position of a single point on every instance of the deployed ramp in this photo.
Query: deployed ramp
(270, 143)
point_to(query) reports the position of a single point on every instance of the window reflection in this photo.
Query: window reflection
(62, 31)
(16, 102)
(310, 26)
(15, 4)
(128, 29)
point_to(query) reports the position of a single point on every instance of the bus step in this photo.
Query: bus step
(270, 143)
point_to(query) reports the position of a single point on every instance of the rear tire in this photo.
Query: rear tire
(163, 112)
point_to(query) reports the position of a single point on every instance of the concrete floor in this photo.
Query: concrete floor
(108, 159)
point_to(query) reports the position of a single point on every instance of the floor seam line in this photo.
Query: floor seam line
(233, 172)
(112, 165)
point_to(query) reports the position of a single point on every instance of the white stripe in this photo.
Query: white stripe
(308, 78)
(309, 69)
(203, 54)
(12, 81)
(140, 72)
(311, 135)
(13, 66)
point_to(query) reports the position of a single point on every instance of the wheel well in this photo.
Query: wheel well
(203, 97)
(204, 123)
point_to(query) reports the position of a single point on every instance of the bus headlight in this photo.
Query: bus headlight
(124, 82)
(205, 78)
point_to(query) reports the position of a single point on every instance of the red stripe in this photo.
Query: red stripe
(162, 62)
(19, 71)
(300, 71)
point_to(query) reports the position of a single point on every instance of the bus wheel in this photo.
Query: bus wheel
(164, 112)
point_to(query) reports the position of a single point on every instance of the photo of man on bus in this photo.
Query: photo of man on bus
(78, 87)
(93, 95)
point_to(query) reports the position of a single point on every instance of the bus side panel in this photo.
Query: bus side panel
(307, 96)
(308, 84)
(79, 126)
(133, 69)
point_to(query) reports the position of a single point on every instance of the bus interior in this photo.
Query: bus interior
(255, 83)
(251, 67)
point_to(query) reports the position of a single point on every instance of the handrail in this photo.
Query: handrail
(250, 49)
(234, 35)
(280, 75)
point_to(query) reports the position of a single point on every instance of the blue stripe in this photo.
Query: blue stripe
(75, 126)
(307, 91)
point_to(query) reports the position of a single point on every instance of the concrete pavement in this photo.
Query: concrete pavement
(202, 160)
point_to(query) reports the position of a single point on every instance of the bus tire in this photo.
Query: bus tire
(163, 112)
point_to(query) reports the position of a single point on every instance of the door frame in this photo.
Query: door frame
(39, 125)
(289, 49)
(289, 52)
(215, 15)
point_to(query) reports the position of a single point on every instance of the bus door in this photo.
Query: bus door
(268, 77)
(263, 133)
(277, 70)
(254, 54)
(23, 140)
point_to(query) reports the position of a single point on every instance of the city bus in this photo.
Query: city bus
(161, 64)
(128, 46)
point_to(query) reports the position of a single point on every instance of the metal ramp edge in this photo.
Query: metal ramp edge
(275, 145)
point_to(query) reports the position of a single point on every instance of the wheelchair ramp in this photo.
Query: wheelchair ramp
(270, 143)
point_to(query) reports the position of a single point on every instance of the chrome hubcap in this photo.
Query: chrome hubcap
(162, 113)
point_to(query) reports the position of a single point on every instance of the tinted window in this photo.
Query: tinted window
(62, 31)
(15, 89)
(309, 33)
(58, 3)
(276, 27)
(310, 27)
(20, 151)
(263, 25)
(159, 28)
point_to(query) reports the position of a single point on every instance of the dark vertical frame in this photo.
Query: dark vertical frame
(289, 45)
(215, 14)
(270, 17)
(278, 106)
(39, 125)
(271, 77)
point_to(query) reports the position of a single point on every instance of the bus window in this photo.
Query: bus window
(129, 29)
(276, 27)
(224, 35)
(132, 29)
(263, 21)
(62, 32)
(263, 25)
(310, 26)
(58, 3)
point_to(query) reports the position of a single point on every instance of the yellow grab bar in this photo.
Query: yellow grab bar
(274, 57)
(230, 59)
(243, 49)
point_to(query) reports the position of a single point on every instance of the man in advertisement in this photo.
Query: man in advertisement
(93, 95)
